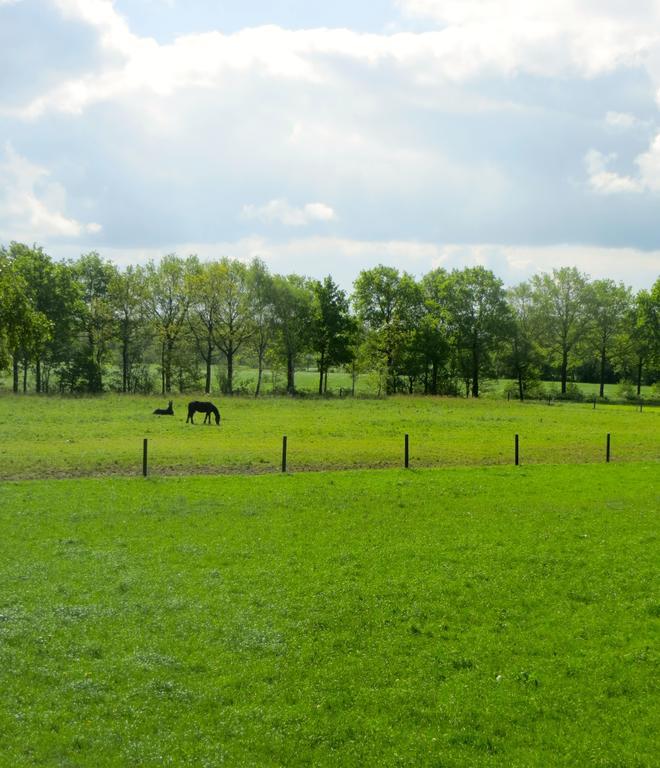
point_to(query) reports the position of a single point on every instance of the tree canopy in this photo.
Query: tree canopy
(85, 325)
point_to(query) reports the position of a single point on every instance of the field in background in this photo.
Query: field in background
(340, 383)
(57, 437)
(458, 617)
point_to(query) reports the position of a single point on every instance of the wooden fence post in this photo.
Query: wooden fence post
(517, 451)
(284, 453)
(144, 457)
(607, 449)
(405, 452)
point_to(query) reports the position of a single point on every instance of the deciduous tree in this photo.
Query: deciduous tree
(389, 304)
(479, 316)
(560, 305)
(332, 328)
(167, 300)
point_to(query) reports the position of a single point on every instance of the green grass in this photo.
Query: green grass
(493, 616)
(56, 437)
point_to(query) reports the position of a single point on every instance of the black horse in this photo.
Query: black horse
(169, 411)
(202, 407)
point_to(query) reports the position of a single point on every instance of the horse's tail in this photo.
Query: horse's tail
(216, 413)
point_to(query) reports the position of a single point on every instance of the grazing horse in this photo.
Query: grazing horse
(202, 407)
(169, 411)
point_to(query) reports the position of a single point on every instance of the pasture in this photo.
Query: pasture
(484, 616)
(464, 612)
(64, 437)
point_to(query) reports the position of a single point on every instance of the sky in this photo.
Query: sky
(329, 137)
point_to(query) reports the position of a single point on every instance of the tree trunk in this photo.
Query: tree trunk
(230, 371)
(162, 367)
(521, 391)
(290, 374)
(601, 392)
(321, 370)
(37, 375)
(25, 374)
(564, 370)
(124, 365)
(259, 373)
(168, 365)
(639, 376)
(434, 378)
(209, 357)
(325, 381)
(390, 386)
(15, 374)
(475, 371)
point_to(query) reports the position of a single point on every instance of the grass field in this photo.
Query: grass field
(464, 615)
(493, 616)
(58, 437)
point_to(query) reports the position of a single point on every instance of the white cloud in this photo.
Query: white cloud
(316, 256)
(114, 32)
(621, 120)
(590, 36)
(604, 181)
(31, 205)
(282, 212)
(514, 263)
(476, 38)
(649, 166)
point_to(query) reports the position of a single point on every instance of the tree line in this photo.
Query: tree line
(85, 325)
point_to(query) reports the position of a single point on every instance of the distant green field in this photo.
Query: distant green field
(492, 616)
(340, 382)
(57, 437)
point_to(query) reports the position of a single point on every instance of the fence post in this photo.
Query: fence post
(284, 453)
(517, 451)
(405, 452)
(144, 457)
(607, 449)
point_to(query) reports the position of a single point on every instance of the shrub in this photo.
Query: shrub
(573, 392)
(626, 390)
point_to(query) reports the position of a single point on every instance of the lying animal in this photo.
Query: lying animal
(169, 411)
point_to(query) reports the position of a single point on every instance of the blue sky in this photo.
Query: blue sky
(167, 20)
(330, 137)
